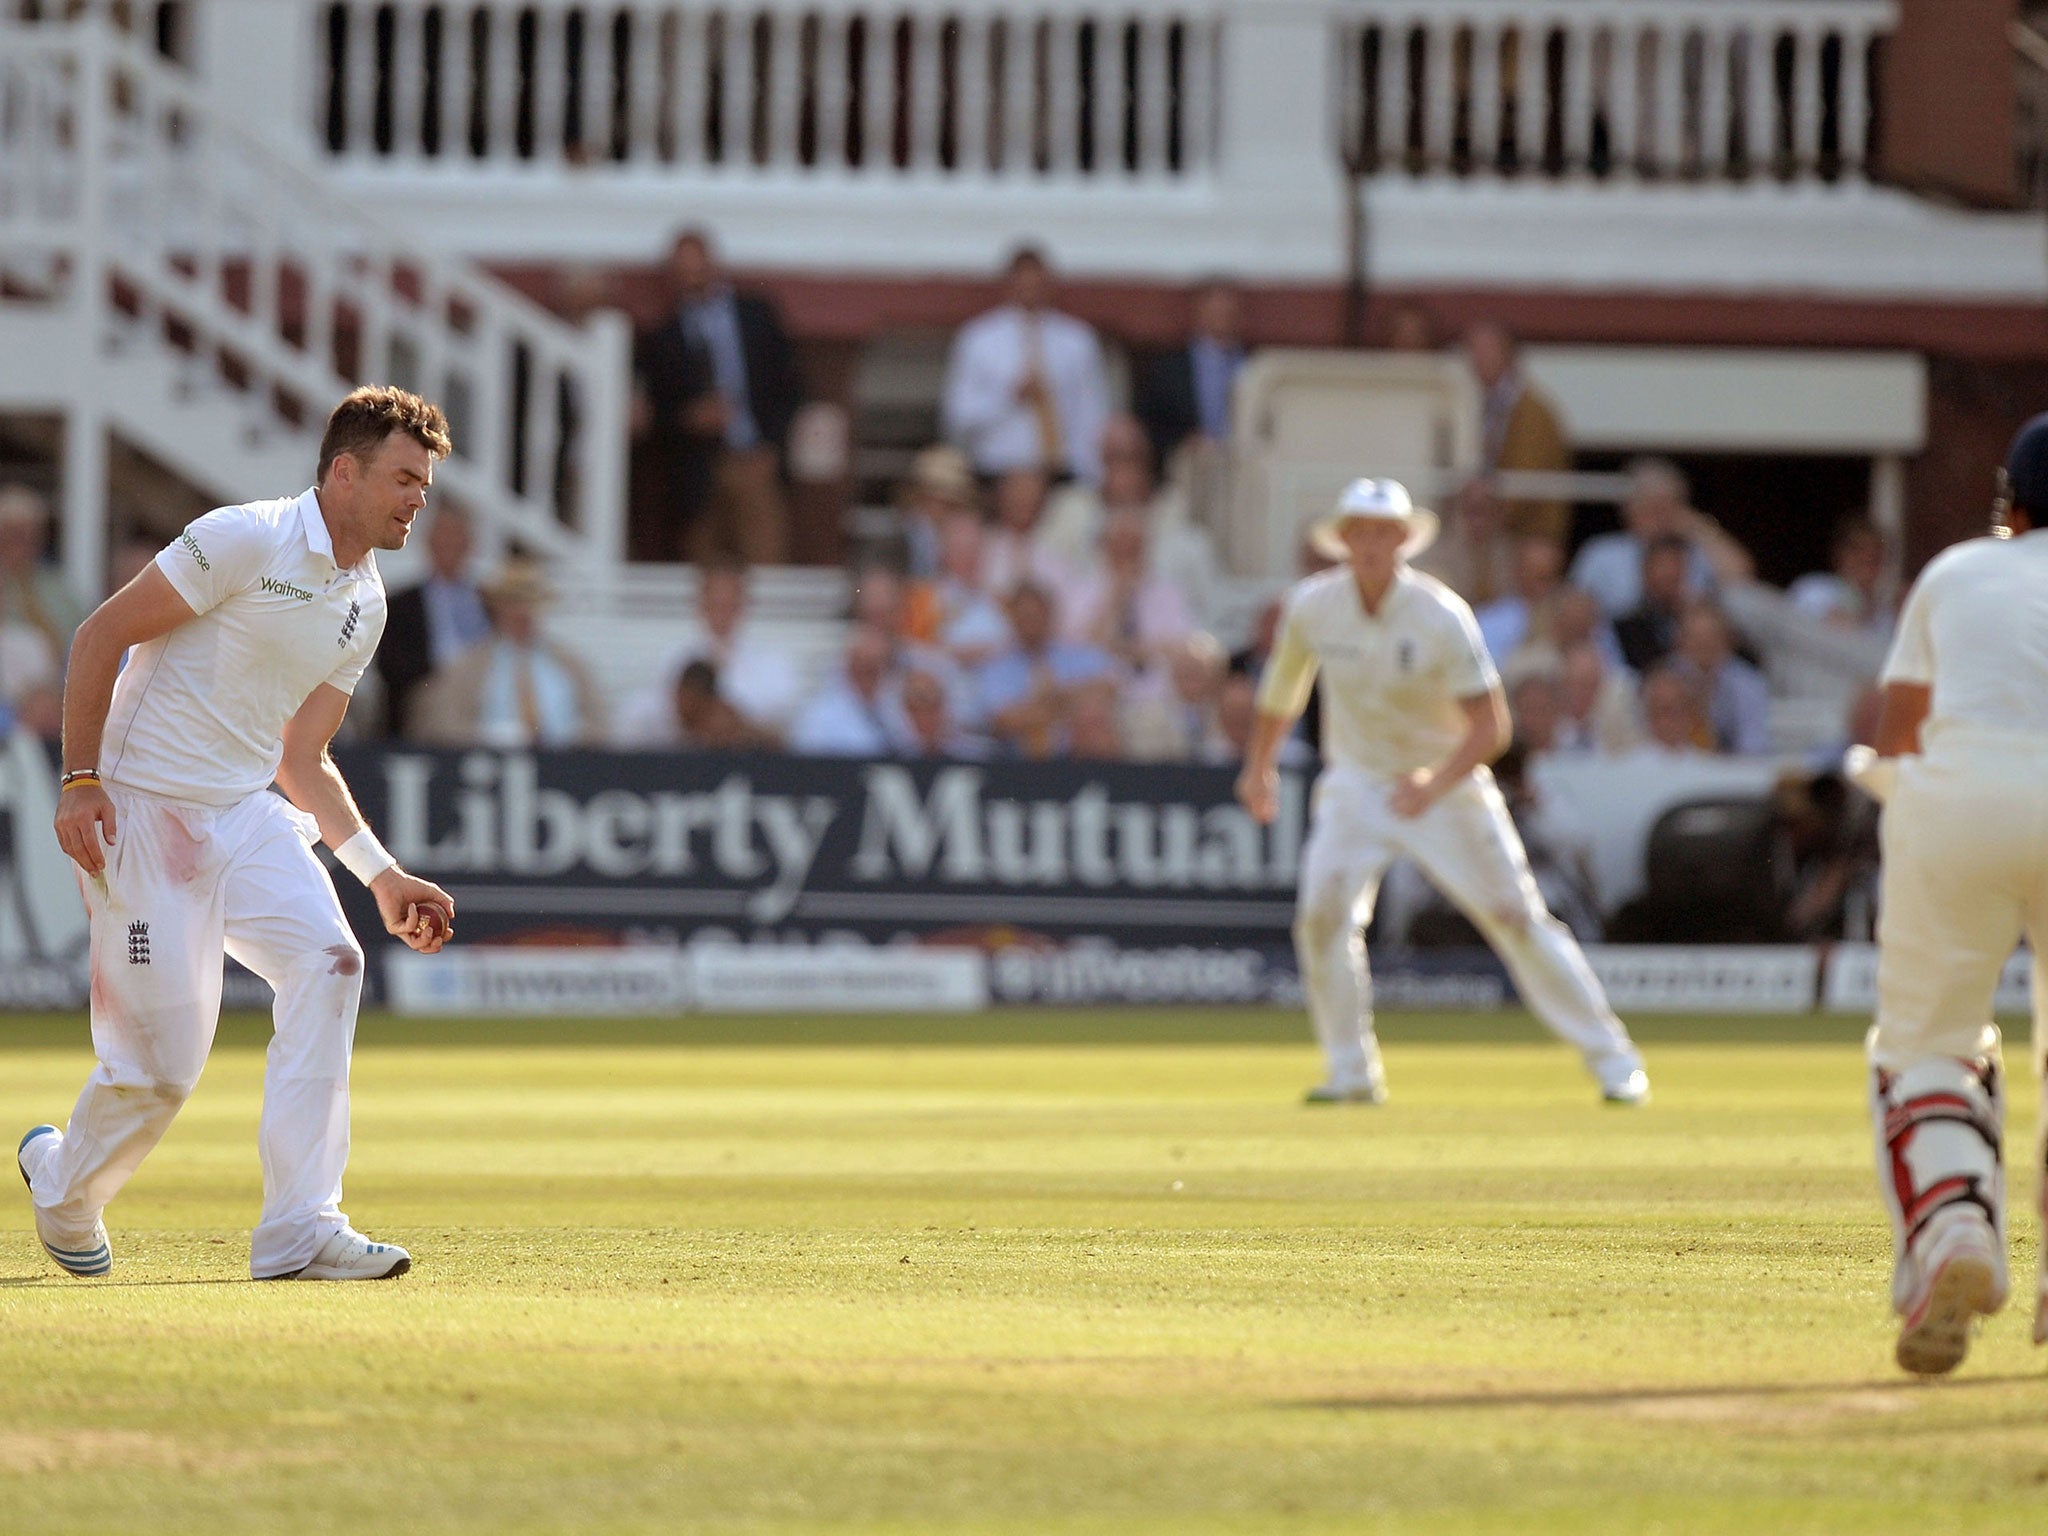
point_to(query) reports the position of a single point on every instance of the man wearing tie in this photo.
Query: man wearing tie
(1025, 386)
(716, 386)
(429, 625)
(1186, 393)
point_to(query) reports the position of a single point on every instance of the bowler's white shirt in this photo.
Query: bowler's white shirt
(990, 357)
(199, 714)
(1392, 681)
(1975, 630)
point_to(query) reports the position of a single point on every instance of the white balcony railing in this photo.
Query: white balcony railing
(961, 88)
(1675, 90)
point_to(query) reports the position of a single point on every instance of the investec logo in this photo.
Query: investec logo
(953, 833)
(285, 589)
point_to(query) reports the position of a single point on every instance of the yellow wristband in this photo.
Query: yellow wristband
(72, 781)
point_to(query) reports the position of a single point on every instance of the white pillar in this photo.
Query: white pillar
(236, 42)
(1888, 511)
(84, 510)
(1277, 159)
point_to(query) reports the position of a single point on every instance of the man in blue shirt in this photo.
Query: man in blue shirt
(1027, 690)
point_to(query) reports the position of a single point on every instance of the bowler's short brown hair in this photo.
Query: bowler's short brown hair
(372, 413)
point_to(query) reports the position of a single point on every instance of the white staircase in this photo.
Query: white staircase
(168, 276)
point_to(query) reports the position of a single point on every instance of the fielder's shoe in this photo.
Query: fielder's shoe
(1961, 1265)
(348, 1255)
(1346, 1093)
(92, 1255)
(1628, 1091)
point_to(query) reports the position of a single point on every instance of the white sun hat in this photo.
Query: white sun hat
(1387, 500)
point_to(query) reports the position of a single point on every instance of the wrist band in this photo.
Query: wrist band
(364, 857)
(76, 777)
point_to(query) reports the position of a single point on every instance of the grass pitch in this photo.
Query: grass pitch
(779, 1276)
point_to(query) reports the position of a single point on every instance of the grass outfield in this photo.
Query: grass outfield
(779, 1276)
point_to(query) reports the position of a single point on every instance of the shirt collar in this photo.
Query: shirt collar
(318, 540)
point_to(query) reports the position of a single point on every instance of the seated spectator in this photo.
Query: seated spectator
(1026, 691)
(1186, 392)
(430, 623)
(1536, 707)
(1575, 619)
(1738, 701)
(1524, 612)
(1849, 594)
(755, 676)
(1178, 550)
(1610, 566)
(1014, 553)
(1025, 383)
(1474, 554)
(28, 664)
(38, 711)
(955, 610)
(856, 714)
(705, 720)
(33, 591)
(1094, 726)
(1674, 715)
(1649, 631)
(515, 688)
(1596, 705)
(1237, 711)
(931, 731)
(881, 603)
(941, 483)
(1177, 724)
(1125, 607)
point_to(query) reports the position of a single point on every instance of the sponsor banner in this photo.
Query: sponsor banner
(511, 980)
(1731, 978)
(1851, 981)
(839, 978)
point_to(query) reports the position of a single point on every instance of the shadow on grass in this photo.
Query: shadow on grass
(1608, 1397)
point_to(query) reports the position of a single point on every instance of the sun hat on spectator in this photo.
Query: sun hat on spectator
(1382, 501)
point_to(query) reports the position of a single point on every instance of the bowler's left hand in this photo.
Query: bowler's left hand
(416, 911)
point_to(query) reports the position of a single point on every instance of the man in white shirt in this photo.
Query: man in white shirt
(1961, 737)
(755, 677)
(1412, 713)
(1659, 504)
(1025, 384)
(250, 633)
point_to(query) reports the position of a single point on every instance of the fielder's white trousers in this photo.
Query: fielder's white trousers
(184, 883)
(1468, 847)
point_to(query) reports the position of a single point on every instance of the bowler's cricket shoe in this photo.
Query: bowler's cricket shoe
(89, 1255)
(1629, 1090)
(1346, 1093)
(1963, 1282)
(348, 1255)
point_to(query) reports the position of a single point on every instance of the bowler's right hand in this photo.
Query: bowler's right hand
(82, 814)
(1258, 791)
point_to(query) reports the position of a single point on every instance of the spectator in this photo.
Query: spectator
(1519, 428)
(1124, 607)
(1830, 843)
(1576, 619)
(1025, 385)
(941, 483)
(1180, 551)
(931, 729)
(1524, 613)
(1411, 328)
(1025, 692)
(1015, 551)
(1850, 593)
(1737, 700)
(1177, 723)
(1674, 716)
(1474, 555)
(28, 667)
(1536, 706)
(856, 714)
(754, 675)
(701, 718)
(716, 387)
(879, 602)
(1658, 505)
(1597, 705)
(33, 592)
(1094, 729)
(430, 624)
(1649, 633)
(1186, 393)
(514, 688)
(956, 612)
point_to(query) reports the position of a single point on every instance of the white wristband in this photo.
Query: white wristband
(364, 857)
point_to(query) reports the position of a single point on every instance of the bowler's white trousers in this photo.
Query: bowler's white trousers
(1468, 847)
(1965, 875)
(184, 883)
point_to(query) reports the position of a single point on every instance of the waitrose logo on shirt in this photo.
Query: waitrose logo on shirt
(285, 589)
(192, 548)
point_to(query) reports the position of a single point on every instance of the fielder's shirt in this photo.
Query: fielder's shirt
(1975, 630)
(199, 714)
(1392, 680)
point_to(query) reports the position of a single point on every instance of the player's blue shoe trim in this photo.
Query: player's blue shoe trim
(87, 1262)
